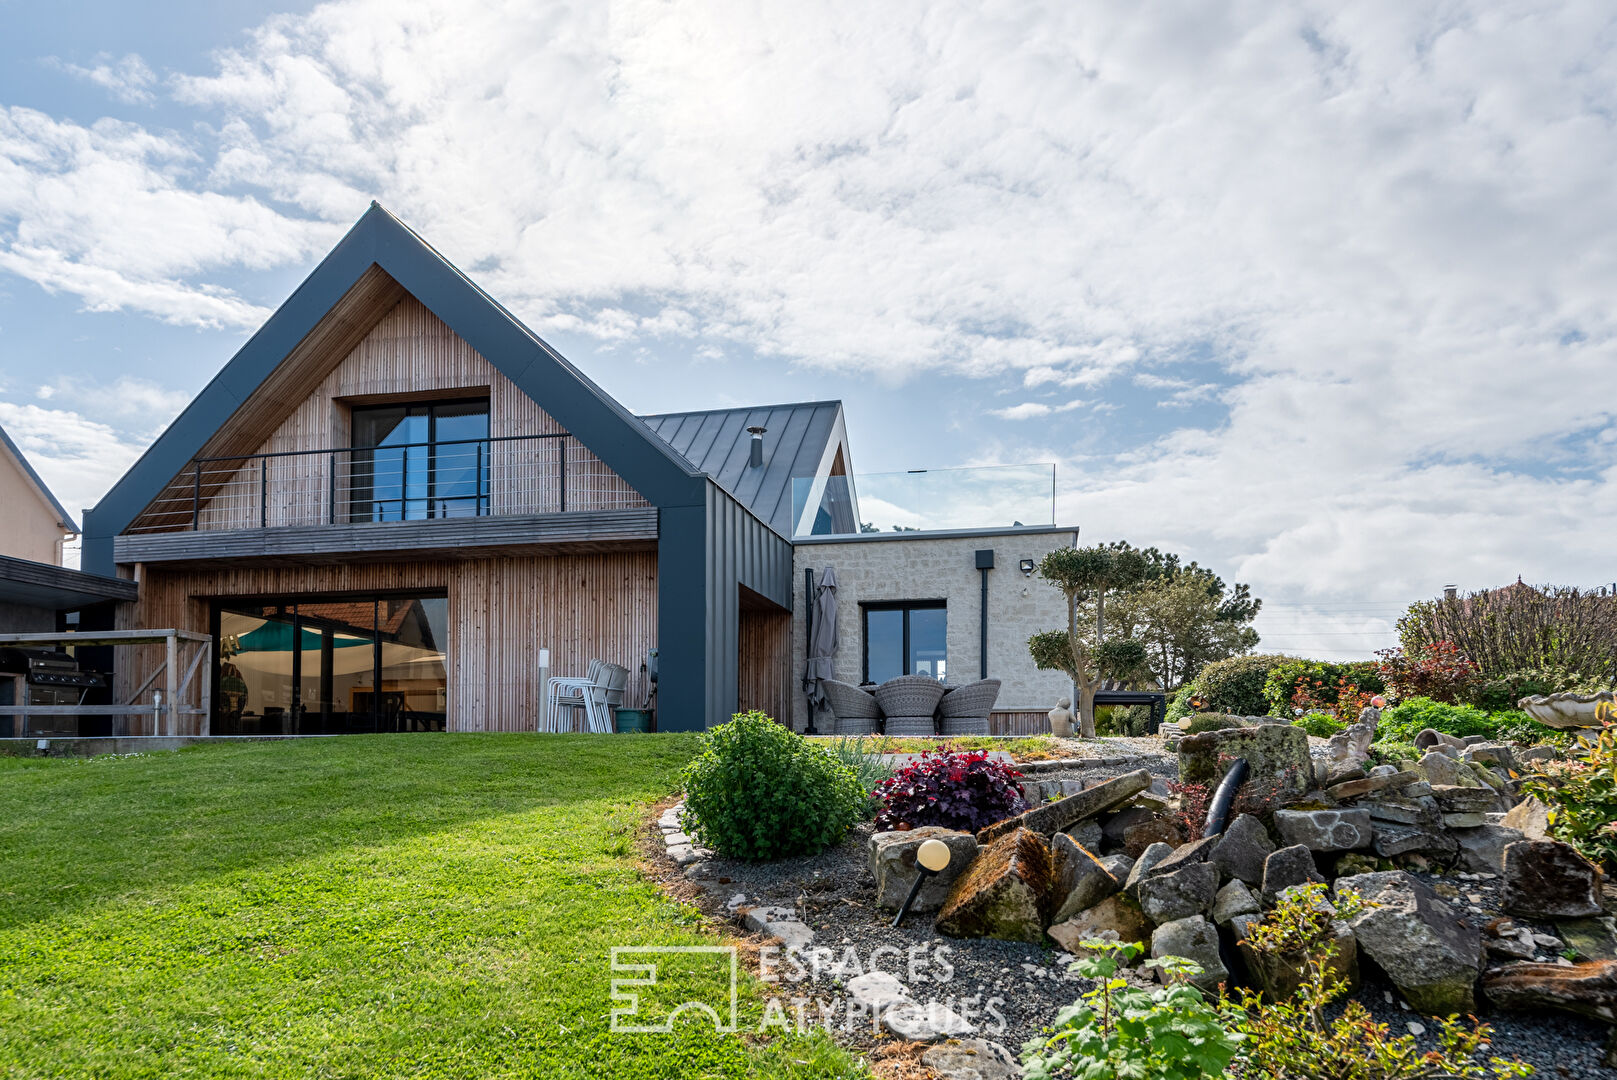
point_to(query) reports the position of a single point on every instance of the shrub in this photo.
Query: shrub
(957, 791)
(866, 763)
(1326, 682)
(1343, 703)
(1510, 687)
(1236, 685)
(1294, 1037)
(1320, 725)
(1391, 752)
(1184, 704)
(1521, 628)
(1582, 800)
(1117, 1030)
(1402, 722)
(1437, 670)
(758, 791)
(1128, 721)
(1211, 722)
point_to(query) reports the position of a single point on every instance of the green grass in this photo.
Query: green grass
(423, 906)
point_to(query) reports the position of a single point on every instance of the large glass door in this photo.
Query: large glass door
(332, 667)
(412, 462)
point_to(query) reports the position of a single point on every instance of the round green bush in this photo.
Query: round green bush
(1210, 722)
(1320, 725)
(758, 791)
(1235, 686)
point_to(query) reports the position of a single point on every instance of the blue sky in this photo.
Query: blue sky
(1319, 298)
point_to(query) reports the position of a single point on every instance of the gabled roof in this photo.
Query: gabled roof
(716, 442)
(63, 518)
(379, 240)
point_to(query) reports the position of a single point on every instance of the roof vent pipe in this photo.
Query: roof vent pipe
(757, 433)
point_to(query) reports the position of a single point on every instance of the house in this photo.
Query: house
(395, 501)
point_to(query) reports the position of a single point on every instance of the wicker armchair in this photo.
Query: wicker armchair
(909, 696)
(910, 726)
(848, 702)
(964, 710)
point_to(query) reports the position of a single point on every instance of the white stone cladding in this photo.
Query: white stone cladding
(929, 566)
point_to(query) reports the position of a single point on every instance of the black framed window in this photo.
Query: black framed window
(905, 637)
(420, 460)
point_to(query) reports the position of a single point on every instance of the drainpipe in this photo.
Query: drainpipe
(985, 563)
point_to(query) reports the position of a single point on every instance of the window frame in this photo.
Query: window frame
(481, 499)
(904, 606)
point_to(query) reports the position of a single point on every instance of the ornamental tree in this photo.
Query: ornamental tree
(1089, 576)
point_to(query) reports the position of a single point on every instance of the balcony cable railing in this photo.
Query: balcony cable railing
(460, 478)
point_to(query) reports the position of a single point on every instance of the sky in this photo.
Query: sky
(1318, 295)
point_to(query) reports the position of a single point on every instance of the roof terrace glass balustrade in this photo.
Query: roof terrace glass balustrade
(925, 500)
(396, 480)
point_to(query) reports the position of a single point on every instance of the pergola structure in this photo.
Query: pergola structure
(169, 710)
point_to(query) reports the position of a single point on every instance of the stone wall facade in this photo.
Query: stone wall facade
(931, 566)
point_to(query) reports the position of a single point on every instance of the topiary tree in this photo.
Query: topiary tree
(1089, 576)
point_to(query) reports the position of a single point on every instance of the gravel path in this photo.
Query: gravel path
(1013, 989)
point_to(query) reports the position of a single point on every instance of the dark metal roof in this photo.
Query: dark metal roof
(66, 519)
(35, 584)
(716, 442)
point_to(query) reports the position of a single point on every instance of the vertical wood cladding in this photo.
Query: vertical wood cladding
(765, 672)
(501, 613)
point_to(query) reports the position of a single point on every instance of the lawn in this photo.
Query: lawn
(423, 906)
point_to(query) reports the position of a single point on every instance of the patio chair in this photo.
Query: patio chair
(964, 709)
(855, 710)
(569, 691)
(909, 695)
(604, 698)
(920, 727)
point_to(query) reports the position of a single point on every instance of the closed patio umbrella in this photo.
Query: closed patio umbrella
(822, 643)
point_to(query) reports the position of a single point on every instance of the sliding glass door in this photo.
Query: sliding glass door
(331, 667)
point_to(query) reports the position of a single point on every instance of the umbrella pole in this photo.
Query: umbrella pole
(808, 645)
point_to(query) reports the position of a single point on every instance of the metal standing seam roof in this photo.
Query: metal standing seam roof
(66, 519)
(716, 442)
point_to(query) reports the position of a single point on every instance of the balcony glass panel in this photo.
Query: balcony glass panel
(983, 497)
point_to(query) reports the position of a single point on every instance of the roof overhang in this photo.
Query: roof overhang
(25, 583)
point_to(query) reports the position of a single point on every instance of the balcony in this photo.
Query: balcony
(925, 500)
(542, 489)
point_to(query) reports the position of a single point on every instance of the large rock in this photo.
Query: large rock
(1482, 849)
(1196, 939)
(1003, 893)
(925, 1022)
(1531, 817)
(1147, 862)
(1388, 840)
(1287, 867)
(971, 1059)
(1280, 975)
(1440, 770)
(1405, 811)
(1465, 800)
(1324, 830)
(1546, 879)
(1148, 833)
(1185, 854)
(876, 991)
(1369, 785)
(1087, 834)
(1275, 753)
(1588, 989)
(1116, 918)
(1051, 818)
(1234, 899)
(1080, 881)
(891, 857)
(1431, 956)
(1115, 827)
(1119, 866)
(1593, 938)
(1179, 893)
(1240, 851)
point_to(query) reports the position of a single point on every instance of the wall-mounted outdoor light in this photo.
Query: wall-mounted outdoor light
(1026, 566)
(931, 858)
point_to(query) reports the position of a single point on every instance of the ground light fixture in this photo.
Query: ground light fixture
(931, 858)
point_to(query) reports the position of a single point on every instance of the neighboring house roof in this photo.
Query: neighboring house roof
(796, 444)
(380, 240)
(64, 519)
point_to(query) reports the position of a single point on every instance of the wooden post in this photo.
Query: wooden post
(206, 690)
(171, 682)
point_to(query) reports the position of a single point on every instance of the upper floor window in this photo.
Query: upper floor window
(906, 637)
(420, 460)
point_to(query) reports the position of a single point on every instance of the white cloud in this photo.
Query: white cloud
(78, 458)
(127, 398)
(129, 80)
(1030, 409)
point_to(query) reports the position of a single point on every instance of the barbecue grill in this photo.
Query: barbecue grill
(43, 677)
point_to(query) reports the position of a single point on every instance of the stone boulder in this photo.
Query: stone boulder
(1287, 867)
(1546, 879)
(1241, 850)
(1054, 817)
(1179, 894)
(1588, 989)
(1119, 866)
(1482, 849)
(1276, 753)
(1086, 834)
(1233, 900)
(1531, 817)
(1079, 880)
(891, 857)
(1193, 938)
(971, 1059)
(1146, 834)
(1003, 893)
(1465, 800)
(1369, 785)
(1324, 830)
(1432, 957)
(1116, 918)
(1593, 938)
(1147, 862)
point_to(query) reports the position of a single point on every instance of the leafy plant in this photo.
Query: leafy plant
(1402, 722)
(1185, 702)
(957, 791)
(1211, 722)
(758, 791)
(1436, 670)
(1118, 1030)
(1582, 799)
(1320, 725)
(1326, 682)
(1235, 686)
(1521, 628)
(1506, 689)
(867, 765)
(1294, 1038)
(1344, 702)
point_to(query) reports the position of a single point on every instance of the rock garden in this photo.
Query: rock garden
(1261, 895)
